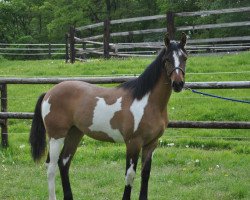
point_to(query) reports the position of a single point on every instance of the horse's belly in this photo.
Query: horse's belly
(107, 137)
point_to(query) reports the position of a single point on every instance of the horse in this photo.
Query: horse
(134, 113)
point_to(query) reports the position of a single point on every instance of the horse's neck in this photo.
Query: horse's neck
(162, 91)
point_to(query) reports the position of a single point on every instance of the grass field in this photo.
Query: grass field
(202, 164)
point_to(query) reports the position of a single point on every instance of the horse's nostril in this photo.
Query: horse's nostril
(175, 84)
(178, 84)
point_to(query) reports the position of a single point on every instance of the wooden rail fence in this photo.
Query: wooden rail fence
(34, 50)
(107, 49)
(5, 115)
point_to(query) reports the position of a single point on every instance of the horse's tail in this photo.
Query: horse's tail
(37, 137)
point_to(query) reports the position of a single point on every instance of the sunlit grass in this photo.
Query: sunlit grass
(189, 163)
(178, 172)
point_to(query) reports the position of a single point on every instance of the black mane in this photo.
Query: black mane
(148, 79)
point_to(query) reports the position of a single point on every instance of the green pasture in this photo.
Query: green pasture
(189, 163)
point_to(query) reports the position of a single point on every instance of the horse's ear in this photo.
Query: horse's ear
(183, 39)
(166, 39)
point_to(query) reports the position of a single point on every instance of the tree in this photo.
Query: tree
(48, 20)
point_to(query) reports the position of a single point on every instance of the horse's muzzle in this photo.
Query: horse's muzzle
(178, 85)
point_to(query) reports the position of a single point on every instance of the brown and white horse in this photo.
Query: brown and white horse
(134, 113)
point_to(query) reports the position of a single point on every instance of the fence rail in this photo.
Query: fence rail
(164, 30)
(5, 115)
(157, 17)
(121, 79)
(108, 49)
(38, 50)
(172, 124)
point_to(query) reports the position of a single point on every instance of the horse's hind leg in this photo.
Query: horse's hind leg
(54, 152)
(70, 146)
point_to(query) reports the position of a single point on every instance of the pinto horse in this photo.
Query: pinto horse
(134, 113)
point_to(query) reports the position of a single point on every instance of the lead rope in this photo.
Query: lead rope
(218, 97)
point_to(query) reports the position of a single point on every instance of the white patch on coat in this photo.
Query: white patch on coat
(103, 113)
(176, 61)
(137, 109)
(180, 52)
(66, 160)
(130, 175)
(55, 146)
(45, 108)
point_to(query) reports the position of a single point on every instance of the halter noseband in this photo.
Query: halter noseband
(182, 70)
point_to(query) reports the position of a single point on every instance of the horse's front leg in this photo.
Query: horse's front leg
(132, 154)
(147, 152)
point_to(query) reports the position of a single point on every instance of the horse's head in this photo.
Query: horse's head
(175, 61)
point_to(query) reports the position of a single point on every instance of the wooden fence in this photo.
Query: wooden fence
(32, 50)
(5, 115)
(90, 45)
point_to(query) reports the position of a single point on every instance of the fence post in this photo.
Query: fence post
(84, 50)
(66, 48)
(49, 50)
(72, 44)
(170, 25)
(4, 125)
(106, 38)
(130, 37)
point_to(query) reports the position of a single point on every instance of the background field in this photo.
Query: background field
(200, 163)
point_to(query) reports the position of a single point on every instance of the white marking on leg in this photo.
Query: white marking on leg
(137, 109)
(103, 113)
(45, 108)
(176, 61)
(66, 160)
(55, 146)
(130, 176)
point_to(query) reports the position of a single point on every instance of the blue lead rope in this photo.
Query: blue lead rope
(218, 97)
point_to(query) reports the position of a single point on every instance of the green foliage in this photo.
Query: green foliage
(27, 39)
(46, 21)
